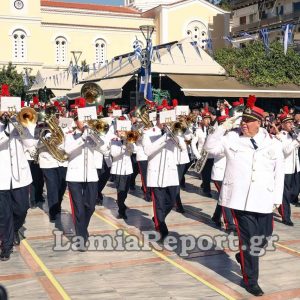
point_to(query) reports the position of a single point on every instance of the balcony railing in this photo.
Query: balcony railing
(270, 22)
(236, 4)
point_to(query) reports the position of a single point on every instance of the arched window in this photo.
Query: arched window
(197, 31)
(60, 50)
(19, 37)
(100, 49)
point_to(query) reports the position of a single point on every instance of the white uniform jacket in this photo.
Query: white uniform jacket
(30, 141)
(103, 152)
(81, 166)
(121, 158)
(14, 165)
(218, 169)
(139, 150)
(162, 168)
(198, 141)
(290, 152)
(181, 154)
(253, 179)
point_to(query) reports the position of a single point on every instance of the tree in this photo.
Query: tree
(252, 65)
(10, 76)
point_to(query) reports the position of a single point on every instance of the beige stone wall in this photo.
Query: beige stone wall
(81, 28)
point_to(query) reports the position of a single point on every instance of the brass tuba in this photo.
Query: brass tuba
(92, 92)
(56, 139)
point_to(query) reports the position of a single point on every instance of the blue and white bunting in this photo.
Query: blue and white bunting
(180, 47)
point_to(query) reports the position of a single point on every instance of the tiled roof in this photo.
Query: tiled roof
(84, 6)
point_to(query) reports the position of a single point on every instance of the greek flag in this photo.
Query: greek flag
(288, 36)
(265, 37)
(146, 83)
(137, 48)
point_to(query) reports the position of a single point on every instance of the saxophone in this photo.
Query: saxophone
(198, 165)
(56, 139)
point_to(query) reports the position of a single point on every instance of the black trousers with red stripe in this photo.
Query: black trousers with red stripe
(122, 185)
(143, 165)
(180, 169)
(14, 205)
(83, 197)
(55, 179)
(290, 195)
(221, 210)
(135, 170)
(163, 201)
(103, 175)
(253, 230)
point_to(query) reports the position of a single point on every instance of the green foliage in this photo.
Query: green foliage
(251, 65)
(159, 95)
(10, 76)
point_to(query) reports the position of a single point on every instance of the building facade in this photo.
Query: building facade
(41, 34)
(249, 16)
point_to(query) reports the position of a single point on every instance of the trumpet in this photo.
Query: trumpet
(132, 136)
(97, 128)
(25, 118)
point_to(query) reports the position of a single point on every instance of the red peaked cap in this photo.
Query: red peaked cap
(35, 100)
(175, 102)
(122, 118)
(5, 90)
(79, 103)
(113, 106)
(206, 113)
(99, 109)
(164, 105)
(238, 103)
(150, 104)
(251, 111)
(285, 116)
(22, 103)
(221, 119)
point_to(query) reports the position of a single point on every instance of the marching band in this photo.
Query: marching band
(255, 168)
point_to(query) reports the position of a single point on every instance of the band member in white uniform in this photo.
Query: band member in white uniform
(162, 174)
(121, 168)
(14, 187)
(252, 185)
(291, 143)
(217, 175)
(82, 178)
(55, 178)
(197, 145)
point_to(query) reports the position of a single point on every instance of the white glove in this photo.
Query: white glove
(231, 123)
(48, 135)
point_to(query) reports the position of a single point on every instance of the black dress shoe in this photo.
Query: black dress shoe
(218, 223)
(122, 216)
(5, 255)
(288, 223)
(297, 204)
(180, 210)
(52, 218)
(254, 290)
(16, 238)
(208, 195)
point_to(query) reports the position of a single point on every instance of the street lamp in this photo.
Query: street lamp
(147, 31)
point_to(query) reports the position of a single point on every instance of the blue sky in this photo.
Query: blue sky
(107, 2)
